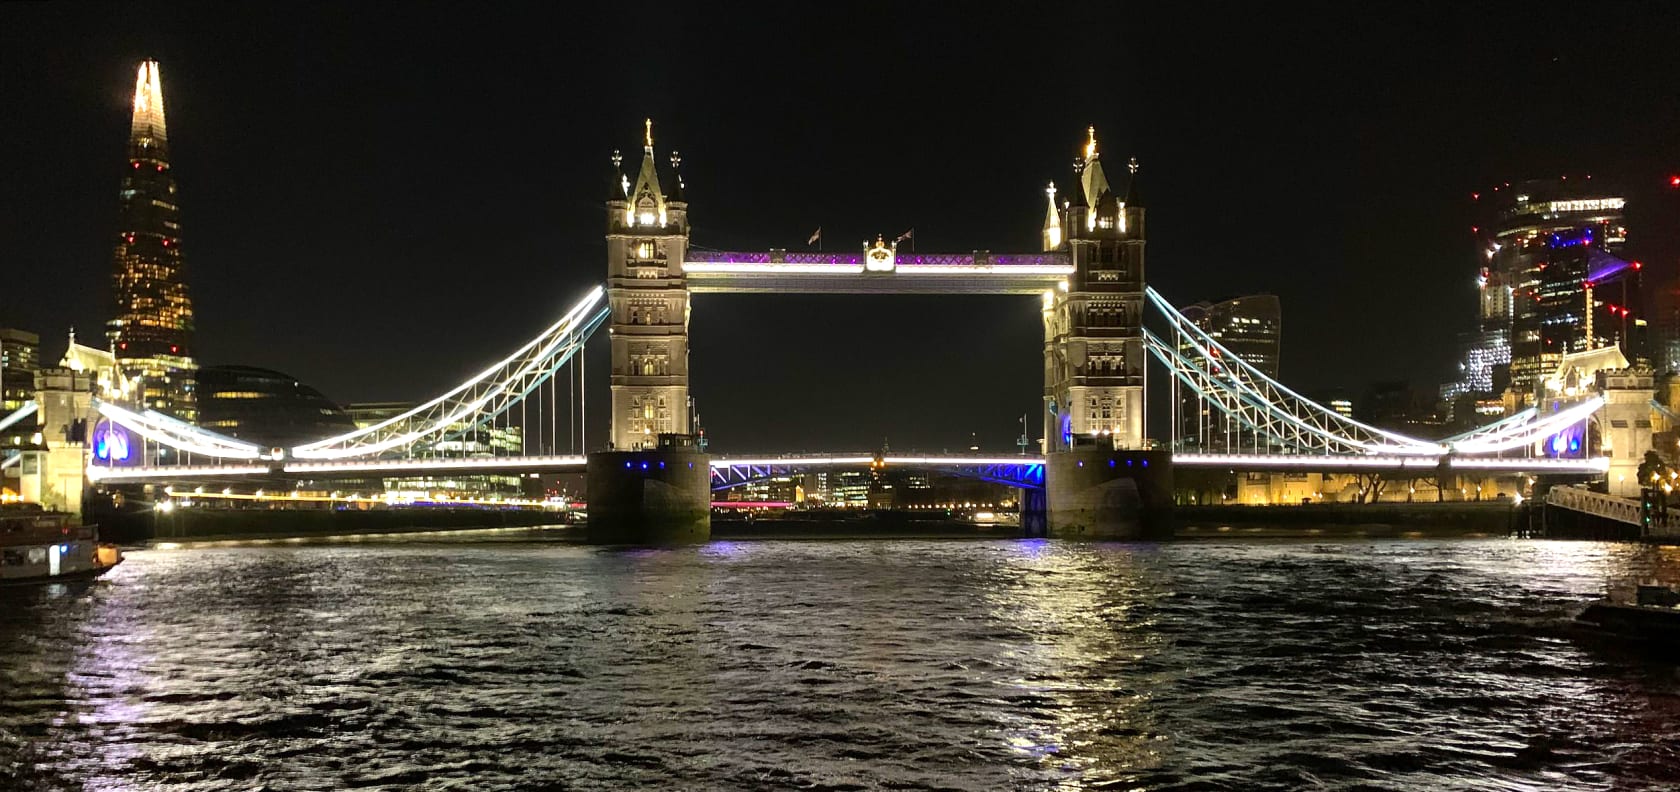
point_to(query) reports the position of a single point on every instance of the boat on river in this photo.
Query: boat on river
(1653, 616)
(39, 546)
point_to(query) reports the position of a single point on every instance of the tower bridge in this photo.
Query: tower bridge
(1097, 473)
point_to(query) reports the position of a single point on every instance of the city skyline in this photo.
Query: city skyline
(434, 271)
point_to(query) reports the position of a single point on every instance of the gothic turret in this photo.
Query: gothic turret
(1052, 220)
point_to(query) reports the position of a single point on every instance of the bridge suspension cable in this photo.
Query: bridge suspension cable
(176, 433)
(22, 412)
(1261, 403)
(482, 398)
(1283, 418)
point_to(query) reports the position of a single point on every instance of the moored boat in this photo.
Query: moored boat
(38, 546)
(1653, 616)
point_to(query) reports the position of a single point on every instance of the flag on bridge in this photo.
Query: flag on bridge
(816, 236)
(910, 235)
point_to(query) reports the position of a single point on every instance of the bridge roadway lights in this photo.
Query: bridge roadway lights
(656, 497)
(1101, 493)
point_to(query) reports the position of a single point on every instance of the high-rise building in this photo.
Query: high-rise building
(1252, 327)
(1553, 284)
(1665, 320)
(151, 330)
(20, 358)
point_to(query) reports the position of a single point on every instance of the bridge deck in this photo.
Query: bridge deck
(1414, 465)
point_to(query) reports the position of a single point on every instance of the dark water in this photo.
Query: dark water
(1403, 665)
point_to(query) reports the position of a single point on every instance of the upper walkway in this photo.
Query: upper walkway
(779, 271)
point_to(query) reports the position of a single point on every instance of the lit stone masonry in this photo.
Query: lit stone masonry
(647, 241)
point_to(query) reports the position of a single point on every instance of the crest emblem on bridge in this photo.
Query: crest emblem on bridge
(881, 258)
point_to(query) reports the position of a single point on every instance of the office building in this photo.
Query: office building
(1553, 283)
(1252, 329)
(20, 358)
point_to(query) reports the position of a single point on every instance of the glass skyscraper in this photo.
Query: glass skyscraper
(151, 330)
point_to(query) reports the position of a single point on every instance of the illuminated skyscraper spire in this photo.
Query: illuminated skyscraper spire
(151, 330)
(148, 131)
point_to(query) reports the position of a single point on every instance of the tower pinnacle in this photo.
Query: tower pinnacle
(148, 129)
(1052, 220)
(1091, 176)
(648, 196)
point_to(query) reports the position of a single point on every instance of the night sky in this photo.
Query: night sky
(381, 199)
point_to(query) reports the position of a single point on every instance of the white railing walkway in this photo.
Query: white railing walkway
(1611, 507)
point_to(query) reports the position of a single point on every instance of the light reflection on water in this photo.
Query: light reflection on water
(838, 665)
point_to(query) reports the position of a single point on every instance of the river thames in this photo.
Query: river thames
(521, 662)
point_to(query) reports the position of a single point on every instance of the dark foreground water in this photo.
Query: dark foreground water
(470, 665)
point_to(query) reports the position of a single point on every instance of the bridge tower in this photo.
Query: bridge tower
(647, 241)
(1094, 361)
(1625, 424)
(654, 485)
(1093, 343)
(54, 474)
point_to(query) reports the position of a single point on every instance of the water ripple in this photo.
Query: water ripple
(838, 666)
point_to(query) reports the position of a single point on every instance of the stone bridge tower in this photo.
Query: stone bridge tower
(1102, 481)
(1093, 345)
(647, 240)
(648, 489)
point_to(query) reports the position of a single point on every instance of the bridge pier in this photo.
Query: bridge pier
(1102, 493)
(656, 497)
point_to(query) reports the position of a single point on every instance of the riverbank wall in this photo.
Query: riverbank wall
(1485, 518)
(140, 527)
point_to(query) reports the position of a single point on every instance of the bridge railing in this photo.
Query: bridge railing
(1610, 507)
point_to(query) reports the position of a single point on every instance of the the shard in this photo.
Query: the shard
(151, 331)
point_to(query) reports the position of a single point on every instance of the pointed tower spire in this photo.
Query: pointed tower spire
(647, 198)
(1092, 177)
(147, 132)
(1052, 220)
